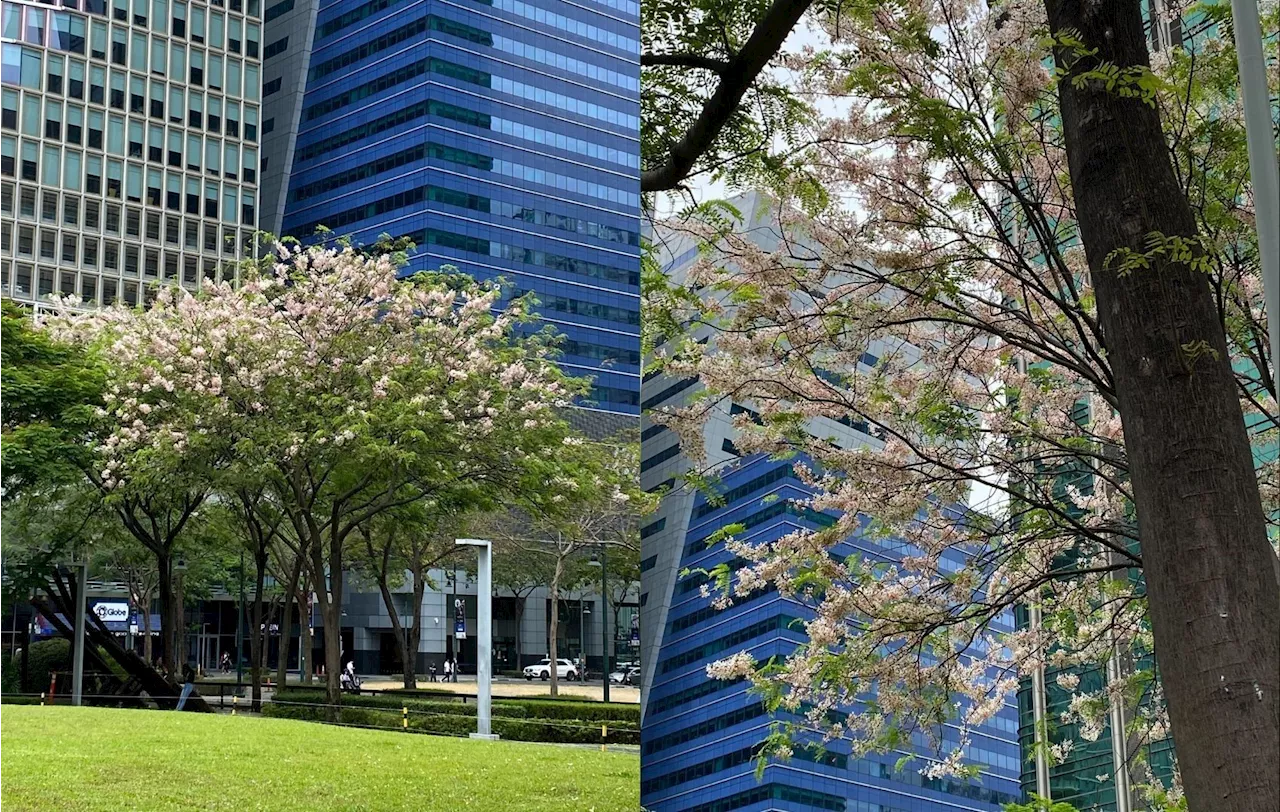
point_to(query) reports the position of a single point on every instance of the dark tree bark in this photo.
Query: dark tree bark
(286, 624)
(304, 632)
(1210, 571)
(258, 634)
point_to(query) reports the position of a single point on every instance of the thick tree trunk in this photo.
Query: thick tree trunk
(414, 634)
(519, 632)
(1209, 569)
(286, 625)
(168, 618)
(554, 623)
(257, 634)
(305, 643)
(147, 643)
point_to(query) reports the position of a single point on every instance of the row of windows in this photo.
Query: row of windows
(577, 27)
(278, 10)
(732, 640)
(670, 391)
(474, 245)
(659, 458)
(538, 217)
(129, 259)
(649, 563)
(737, 758)
(95, 290)
(708, 612)
(785, 508)
(54, 168)
(89, 216)
(612, 394)
(599, 352)
(190, 105)
(22, 67)
(463, 115)
(951, 786)
(276, 48)
(700, 690)
(653, 527)
(108, 133)
(595, 310)
(475, 77)
(750, 486)
(223, 31)
(754, 710)
(793, 796)
(651, 432)
(413, 33)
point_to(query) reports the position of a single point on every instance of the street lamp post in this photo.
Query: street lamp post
(484, 637)
(1262, 159)
(77, 659)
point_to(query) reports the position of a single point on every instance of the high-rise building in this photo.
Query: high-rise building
(700, 736)
(128, 144)
(501, 136)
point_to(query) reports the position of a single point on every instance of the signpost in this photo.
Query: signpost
(484, 635)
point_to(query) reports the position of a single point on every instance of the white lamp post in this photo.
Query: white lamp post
(484, 637)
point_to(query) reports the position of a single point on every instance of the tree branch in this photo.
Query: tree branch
(738, 76)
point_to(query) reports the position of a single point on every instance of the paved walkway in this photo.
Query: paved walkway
(503, 687)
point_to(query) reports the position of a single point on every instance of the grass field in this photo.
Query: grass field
(86, 759)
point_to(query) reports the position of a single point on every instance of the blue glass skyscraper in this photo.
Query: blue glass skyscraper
(700, 736)
(501, 136)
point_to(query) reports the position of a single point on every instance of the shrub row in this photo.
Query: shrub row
(569, 731)
(552, 707)
(549, 708)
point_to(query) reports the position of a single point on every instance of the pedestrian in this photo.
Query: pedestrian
(448, 669)
(455, 670)
(188, 684)
(433, 672)
(225, 662)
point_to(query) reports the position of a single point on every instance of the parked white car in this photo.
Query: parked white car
(565, 669)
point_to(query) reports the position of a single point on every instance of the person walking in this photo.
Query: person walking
(448, 669)
(188, 684)
(433, 672)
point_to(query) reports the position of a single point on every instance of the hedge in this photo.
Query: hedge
(571, 731)
(552, 707)
(512, 720)
(45, 657)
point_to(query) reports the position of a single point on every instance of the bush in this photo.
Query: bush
(11, 676)
(516, 720)
(46, 657)
(551, 708)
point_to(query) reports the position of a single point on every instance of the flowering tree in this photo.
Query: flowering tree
(340, 390)
(1081, 377)
(596, 502)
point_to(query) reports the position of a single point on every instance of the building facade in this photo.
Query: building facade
(699, 736)
(128, 145)
(500, 136)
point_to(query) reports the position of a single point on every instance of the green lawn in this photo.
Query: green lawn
(83, 759)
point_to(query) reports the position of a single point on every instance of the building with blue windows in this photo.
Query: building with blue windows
(699, 736)
(501, 136)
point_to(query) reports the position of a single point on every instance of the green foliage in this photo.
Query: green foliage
(1038, 804)
(46, 657)
(49, 392)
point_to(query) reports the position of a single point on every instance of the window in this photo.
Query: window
(30, 161)
(157, 56)
(69, 253)
(197, 68)
(11, 21)
(233, 119)
(75, 87)
(253, 35)
(35, 26)
(9, 116)
(175, 105)
(275, 48)
(251, 123)
(155, 144)
(214, 76)
(175, 148)
(137, 95)
(49, 207)
(53, 121)
(235, 30)
(95, 129)
(157, 100)
(138, 50)
(197, 24)
(193, 153)
(119, 46)
(75, 125)
(153, 226)
(68, 32)
(178, 60)
(54, 76)
(178, 26)
(117, 90)
(272, 87)
(135, 138)
(98, 40)
(92, 210)
(215, 115)
(195, 110)
(71, 211)
(97, 85)
(216, 24)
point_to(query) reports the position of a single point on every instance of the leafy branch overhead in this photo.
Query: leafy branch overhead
(710, 104)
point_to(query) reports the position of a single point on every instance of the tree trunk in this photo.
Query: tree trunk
(1210, 571)
(305, 643)
(147, 644)
(554, 623)
(415, 633)
(168, 621)
(257, 634)
(286, 625)
(519, 632)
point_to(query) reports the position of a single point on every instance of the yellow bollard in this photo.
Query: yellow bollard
(604, 735)
(404, 711)
(234, 701)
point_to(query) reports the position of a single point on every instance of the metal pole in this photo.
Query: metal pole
(240, 629)
(1262, 160)
(604, 618)
(77, 661)
(484, 637)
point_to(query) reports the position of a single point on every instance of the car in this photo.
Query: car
(632, 677)
(618, 677)
(565, 669)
